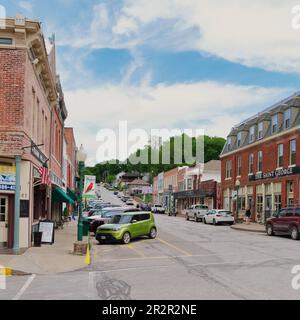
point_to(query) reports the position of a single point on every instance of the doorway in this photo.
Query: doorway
(3, 220)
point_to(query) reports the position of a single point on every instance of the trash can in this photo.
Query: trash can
(37, 239)
(86, 227)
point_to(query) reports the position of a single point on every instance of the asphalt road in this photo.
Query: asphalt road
(188, 260)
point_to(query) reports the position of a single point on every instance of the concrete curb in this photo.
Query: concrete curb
(247, 230)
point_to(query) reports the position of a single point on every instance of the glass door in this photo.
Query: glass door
(3, 219)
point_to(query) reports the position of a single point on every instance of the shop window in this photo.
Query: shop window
(297, 212)
(280, 155)
(242, 203)
(277, 202)
(259, 204)
(293, 152)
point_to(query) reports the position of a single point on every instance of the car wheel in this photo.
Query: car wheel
(294, 233)
(187, 217)
(196, 219)
(126, 238)
(269, 229)
(153, 233)
(214, 222)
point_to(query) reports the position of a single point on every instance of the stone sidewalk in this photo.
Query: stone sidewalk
(252, 227)
(48, 259)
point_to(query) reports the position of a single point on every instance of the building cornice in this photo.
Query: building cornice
(258, 142)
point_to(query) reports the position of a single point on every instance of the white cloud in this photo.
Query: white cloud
(216, 107)
(26, 5)
(252, 32)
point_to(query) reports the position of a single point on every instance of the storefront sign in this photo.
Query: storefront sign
(7, 178)
(275, 173)
(56, 180)
(37, 153)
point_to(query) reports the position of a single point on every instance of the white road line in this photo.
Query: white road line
(24, 288)
(91, 287)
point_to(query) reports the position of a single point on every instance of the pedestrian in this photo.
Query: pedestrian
(248, 215)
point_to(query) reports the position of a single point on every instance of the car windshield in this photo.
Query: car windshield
(121, 219)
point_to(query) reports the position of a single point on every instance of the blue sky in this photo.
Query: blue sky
(168, 63)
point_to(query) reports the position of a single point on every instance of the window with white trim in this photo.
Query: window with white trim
(259, 161)
(252, 134)
(275, 123)
(280, 155)
(293, 147)
(239, 139)
(251, 158)
(287, 118)
(228, 169)
(260, 130)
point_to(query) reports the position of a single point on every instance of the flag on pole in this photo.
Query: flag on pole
(44, 172)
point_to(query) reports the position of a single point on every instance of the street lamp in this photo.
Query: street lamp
(237, 185)
(81, 158)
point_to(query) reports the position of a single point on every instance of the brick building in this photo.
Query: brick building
(261, 161)
(30, 103)
(182, 187)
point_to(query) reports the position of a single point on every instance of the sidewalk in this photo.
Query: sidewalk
(252, 227)
(48, 259)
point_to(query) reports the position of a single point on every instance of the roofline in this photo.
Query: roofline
(294, 95)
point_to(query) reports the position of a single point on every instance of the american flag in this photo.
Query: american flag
(45, 177)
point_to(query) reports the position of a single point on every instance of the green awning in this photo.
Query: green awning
(72, 194)
(58, 195)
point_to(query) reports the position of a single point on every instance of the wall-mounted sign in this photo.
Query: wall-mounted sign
(55, 179)
(275, 173)
(37, 153)
(7, 178)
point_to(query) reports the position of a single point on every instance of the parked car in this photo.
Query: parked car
(286, 221)
(158, 208)
(126, 227)
(218, 216)
(130, 202)
(196, 212)
(106, 216)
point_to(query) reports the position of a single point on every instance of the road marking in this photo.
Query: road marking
(174, 247)
(131, 247)
(24, 288)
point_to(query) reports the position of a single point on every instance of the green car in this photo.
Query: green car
(127, 226)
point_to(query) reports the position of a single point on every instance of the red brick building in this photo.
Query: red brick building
(261, 160)
(30, 104)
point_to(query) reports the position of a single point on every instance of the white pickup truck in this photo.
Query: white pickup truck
(196, 212)
(158, 208)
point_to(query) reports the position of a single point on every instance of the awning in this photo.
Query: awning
(58, 195)
(72, 194)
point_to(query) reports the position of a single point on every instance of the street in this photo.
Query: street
(188, 260)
